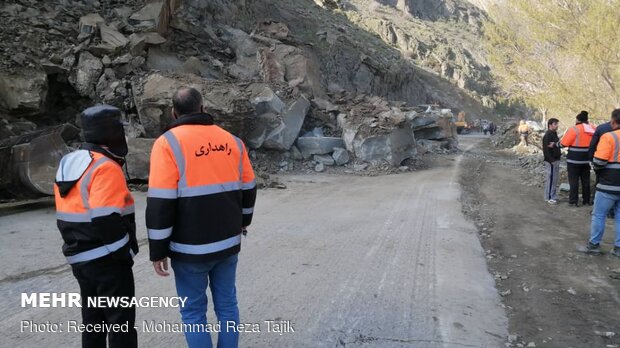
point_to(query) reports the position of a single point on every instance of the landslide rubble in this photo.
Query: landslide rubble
(305, 87)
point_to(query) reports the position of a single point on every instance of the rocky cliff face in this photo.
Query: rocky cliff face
(434, 10)
(270, 70)
(442, 37)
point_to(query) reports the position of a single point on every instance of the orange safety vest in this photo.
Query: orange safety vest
(94, 208)
(607, 162)
(201, 192)
(577, 139)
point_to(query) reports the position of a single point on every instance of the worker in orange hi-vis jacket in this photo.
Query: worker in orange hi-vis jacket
(95, 215)
(200, 201)
(577, 139)
(607, 162)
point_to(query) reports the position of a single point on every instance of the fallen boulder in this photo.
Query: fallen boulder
(226, 101)
(23, 93)
(86, 75)
(147, 18)
(138, 158)
(318, 145)
(341, 156)
(325, 159)
(283, 136)
(393, 147)
(267, 101)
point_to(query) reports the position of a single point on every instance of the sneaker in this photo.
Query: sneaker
(616, 252)
(587, 203)
(552, 202)
(592, 249)
(575, 205)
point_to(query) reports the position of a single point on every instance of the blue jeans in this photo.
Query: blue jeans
(603, 203)
(192, 279)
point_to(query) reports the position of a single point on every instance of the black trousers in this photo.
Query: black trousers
(107, 277)
(577, 173)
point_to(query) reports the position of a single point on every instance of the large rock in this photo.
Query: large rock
(113, 38)
(246, 64)
(138, 158)
(318, 145)
(374, 140)
(394, 147)
(420, 121)
(267, 101)
(195, 66)
(23, 93)
(86, 75)
(227, 103)
(148, 17)
(283, 137)
(341, 156)
(90, 23)
(263, 125)
(325, 159)
(442, 128)
(161, 60)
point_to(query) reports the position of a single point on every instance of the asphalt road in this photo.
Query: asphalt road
(386, 261)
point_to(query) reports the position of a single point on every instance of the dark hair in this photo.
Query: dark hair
(186, 101)
(615, 115)
(552, 121)
(583, 116)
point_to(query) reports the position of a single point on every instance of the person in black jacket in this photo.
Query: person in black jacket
(552, 154)
(596, 137)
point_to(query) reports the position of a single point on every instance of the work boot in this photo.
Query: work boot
(616, 251)
(592, 249)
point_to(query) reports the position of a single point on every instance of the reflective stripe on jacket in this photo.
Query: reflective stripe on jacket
(201, 192)
(94, 208)
(607, 162)
(577, 139)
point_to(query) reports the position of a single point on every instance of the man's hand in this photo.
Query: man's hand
(244, 231)
(161, 267)
(551, 145)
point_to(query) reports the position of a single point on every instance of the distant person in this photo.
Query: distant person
(95, 213)
(552, 155)
(578, 139)
(600, 130)
(200, 201)
(485, 128)
(524, 131)
(492, 128)
(607, 163)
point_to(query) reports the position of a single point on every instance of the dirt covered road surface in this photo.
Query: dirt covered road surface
(553, 295)
(346, 261)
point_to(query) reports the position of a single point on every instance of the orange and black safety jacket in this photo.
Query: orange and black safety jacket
(606, 162)
(94, 208)
(201, 192)
(577, 139)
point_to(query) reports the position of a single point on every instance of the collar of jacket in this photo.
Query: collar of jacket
(199, 118)
(101, 150)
